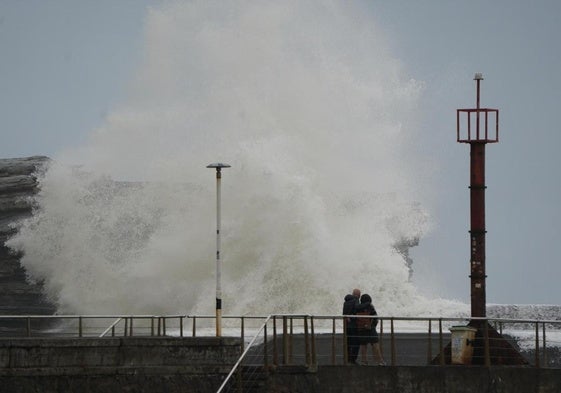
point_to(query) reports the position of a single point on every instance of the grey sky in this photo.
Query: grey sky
(515, 45)
(65, 64)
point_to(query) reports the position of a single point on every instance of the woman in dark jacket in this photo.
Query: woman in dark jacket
(367, 333)
(351, 306)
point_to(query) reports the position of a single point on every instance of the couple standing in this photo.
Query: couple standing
(361, 331)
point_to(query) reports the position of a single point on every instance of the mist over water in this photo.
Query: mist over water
(317, 119)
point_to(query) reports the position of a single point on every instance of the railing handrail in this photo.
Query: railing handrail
(294, 316)
(324, 316)
(111, 327)
(450, 319)
(93, 316)
(237, 364)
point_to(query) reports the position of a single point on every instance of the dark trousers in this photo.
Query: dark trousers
(353, 344)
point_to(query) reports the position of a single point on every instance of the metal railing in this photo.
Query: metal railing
(224, 387)
(304, 340)
(119, 325)
(308, 341)
(89, 325)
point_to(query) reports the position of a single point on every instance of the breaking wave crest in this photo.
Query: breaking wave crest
(317, 119)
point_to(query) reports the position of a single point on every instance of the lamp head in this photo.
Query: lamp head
(218, 165)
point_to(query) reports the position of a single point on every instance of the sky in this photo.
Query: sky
(65, 65)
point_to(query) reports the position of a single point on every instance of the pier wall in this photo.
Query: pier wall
(23, 353)
(133, 364)
(418, 379)
(200, 364)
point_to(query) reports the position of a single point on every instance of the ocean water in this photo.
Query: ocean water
(319, 122)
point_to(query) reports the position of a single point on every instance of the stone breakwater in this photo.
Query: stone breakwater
(18, 183)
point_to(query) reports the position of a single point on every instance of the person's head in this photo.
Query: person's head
(356, 292)
(365, 298)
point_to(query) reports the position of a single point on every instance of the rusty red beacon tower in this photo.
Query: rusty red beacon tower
(478, 127)
(482, 128)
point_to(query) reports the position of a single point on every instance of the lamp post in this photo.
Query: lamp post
(218, 167)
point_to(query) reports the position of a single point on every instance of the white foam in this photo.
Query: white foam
(317, 119)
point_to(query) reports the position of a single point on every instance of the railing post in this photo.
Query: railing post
(544, 361)
(429, 351)
(284, 340)
(164, 325)
(290, 342)
(265, 354)
(126, 326)
(441, 343)
(306, 340)
(333, 347)
(275, 351)
(345, 343)
(392, 342)
(381, 335)
(80, 332)
(314, 356)
(28, 327)
(537, 345)
(242, 333)
(159, 326)
(152, 326)
(131, 332)
(194, 333)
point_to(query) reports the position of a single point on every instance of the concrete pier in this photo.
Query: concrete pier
(200, 364)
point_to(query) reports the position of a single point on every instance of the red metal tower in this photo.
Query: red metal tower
(481, 126)
(489, 345)
(484, 130)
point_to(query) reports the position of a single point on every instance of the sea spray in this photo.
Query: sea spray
(317, 119)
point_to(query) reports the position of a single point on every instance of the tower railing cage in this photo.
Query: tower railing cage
(480, 125)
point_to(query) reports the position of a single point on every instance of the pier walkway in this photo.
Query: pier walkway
(300, 353)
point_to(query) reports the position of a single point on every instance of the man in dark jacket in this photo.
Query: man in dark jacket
(350, 307)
